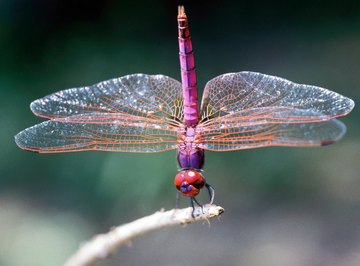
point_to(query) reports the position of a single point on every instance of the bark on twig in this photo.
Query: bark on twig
(101, 246)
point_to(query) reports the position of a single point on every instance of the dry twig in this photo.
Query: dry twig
(101, 246)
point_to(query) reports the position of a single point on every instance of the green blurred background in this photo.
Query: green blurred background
(284, 206)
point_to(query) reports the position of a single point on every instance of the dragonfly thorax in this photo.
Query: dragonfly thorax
(190, 155)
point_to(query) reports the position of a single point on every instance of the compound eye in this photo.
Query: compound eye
(189, 182)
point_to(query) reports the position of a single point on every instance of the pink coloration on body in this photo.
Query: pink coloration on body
(188, 74)
(190, 155)
(154, 113)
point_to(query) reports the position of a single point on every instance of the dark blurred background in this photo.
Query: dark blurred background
(284, 206)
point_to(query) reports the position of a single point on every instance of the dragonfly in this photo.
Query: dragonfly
(155, 113)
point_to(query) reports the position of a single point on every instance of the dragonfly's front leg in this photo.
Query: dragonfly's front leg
(211, 191)
(177, 204)
(192, 201)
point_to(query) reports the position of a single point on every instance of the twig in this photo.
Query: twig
(101, 246)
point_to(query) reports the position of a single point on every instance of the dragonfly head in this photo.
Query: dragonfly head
(189, 182)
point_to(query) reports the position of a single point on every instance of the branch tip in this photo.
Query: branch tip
(103, 245)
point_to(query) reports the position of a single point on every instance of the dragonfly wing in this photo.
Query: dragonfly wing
(264, 115)
(99, 131)
(152, 96)
(270, 97)
(240, 137)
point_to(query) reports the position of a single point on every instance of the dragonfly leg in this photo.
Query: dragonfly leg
(177, 200)
(211, 191)
(192, 201)
(193, 207)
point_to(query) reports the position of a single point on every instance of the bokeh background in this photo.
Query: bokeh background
(284, 206)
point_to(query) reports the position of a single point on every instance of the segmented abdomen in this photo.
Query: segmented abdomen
(188, 75)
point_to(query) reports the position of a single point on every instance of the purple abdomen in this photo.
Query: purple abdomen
(189, 155)
(188, 75)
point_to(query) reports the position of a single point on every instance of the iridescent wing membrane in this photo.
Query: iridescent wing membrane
(142, 113)
(251, 110)
(134, 113)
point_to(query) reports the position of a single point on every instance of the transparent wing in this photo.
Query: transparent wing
(226, 138)
(258, 97)
(99, 131)
(264, 115)
(251, 110)
(152, 96)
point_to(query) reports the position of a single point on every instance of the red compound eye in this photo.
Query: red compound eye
(189, 182)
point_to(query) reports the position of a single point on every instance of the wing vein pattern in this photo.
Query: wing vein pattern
(134, 113)
(251, 110)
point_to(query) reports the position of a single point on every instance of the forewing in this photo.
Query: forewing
(269, 98)
(99, 131)
(151, 96)
(226, 138)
